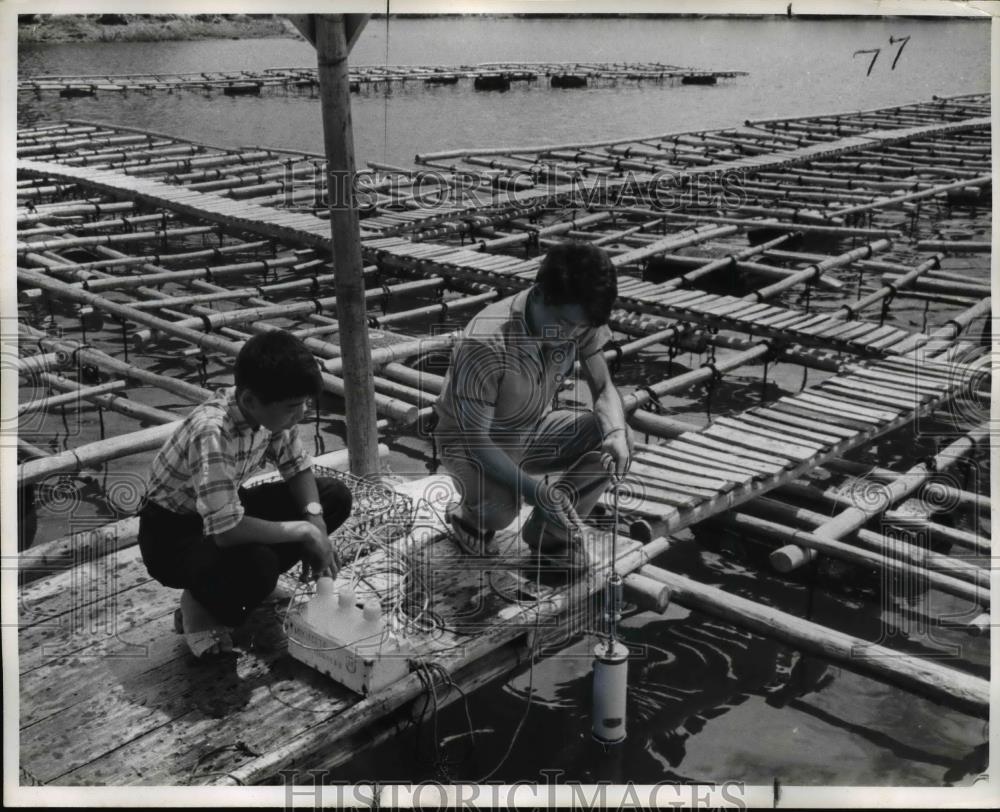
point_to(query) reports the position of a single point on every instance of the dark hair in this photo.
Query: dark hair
(276, 365)
(576, 272)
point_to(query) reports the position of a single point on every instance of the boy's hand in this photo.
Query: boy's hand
(317, 558)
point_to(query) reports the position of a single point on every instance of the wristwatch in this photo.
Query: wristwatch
(313, 509)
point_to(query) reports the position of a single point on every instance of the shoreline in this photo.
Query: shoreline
(63, 28)
(98, 28)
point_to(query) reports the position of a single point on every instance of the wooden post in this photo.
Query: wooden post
(359, 395)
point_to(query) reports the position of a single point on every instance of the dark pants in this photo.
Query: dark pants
(231, 581)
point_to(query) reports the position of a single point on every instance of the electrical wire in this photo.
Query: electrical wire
(531, 684)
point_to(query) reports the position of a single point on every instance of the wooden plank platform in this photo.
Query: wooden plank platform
(829, 331)
(766, 446)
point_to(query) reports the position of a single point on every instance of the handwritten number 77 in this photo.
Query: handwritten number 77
(876, 51)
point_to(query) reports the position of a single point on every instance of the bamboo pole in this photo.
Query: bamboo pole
(397, 352)
(359, 398)
(942, 285)
(891, 202)
(111, 239)
(889, 556)
(848, 521)
(79, 353)
(899, 283)
(92, 454)
(69, 397)
(34, 364)
(126, 261)
(660, 425)
(947, 686)
(887, 474)
(697, 340)
(401, 412)
(673, 242)
(950, 330)
(680, 382)
(956, 246)
(813, 272)
(214, 319)
(535, 232)
(121, 405)
(47, 212)
(423, 381)
(732, 261)
(883, 543)
(768, 271)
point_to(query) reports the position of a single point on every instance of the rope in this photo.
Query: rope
(616, 363)
(124, 341)
(654, 399)
(886, 302)
(710, 386)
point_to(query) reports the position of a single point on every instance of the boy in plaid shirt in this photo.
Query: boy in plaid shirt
(223, 544)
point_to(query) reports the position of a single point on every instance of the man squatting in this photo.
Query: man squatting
(497, 428)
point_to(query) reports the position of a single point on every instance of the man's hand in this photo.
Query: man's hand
(317, 557)
(618, 444)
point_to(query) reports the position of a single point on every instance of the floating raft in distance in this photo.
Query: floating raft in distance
(487, 76)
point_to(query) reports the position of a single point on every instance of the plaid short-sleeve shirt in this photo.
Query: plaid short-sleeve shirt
(201, 466)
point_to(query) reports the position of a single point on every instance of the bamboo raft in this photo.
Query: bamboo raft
(488, 76)
(145, 260)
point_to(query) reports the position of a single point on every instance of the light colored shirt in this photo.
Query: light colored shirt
(497, 362)
(201, 466)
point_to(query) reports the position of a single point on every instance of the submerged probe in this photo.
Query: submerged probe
(611, 657)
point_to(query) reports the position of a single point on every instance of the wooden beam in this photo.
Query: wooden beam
(359, 397)
(354, 24)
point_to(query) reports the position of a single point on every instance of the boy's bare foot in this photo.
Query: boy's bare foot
(203, 634)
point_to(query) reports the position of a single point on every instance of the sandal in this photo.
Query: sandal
(471, 540)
